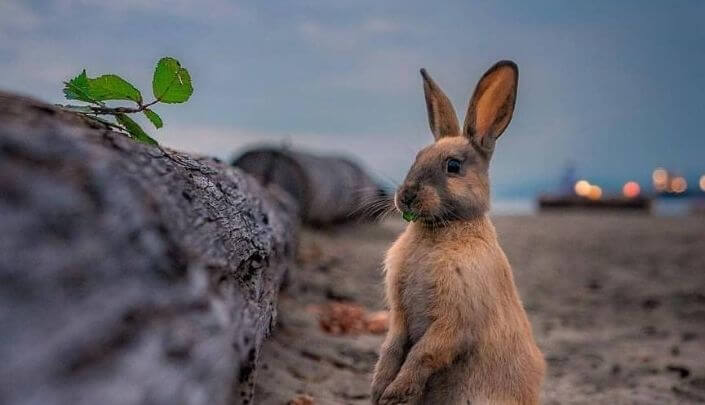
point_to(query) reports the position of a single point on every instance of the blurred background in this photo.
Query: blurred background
(609, 91)
(609, 115)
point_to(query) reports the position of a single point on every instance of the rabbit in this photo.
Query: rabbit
(458, 332)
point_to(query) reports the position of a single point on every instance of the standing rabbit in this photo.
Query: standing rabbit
(458, 332)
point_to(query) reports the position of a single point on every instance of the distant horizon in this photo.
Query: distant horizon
(506, 190)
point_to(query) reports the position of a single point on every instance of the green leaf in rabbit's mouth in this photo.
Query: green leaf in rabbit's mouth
(409, 216)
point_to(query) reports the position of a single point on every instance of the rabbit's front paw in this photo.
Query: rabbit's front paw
(400, 392)
(379, 384)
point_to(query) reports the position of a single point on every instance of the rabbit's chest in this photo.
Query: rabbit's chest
(416, 295)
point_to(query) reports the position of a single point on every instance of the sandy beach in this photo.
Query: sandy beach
(617, 303)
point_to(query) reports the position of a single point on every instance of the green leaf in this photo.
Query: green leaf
(409, 216)
(78, 88)
(171, 83)
(106, 87)
(113, 87)
(154, 117)
(134, 129)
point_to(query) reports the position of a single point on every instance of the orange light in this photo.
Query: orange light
(582, 188)
(631, 189)
(702, 182)
(595, 193)
(678, 185)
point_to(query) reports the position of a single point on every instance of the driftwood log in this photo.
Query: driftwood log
(328, 189)
(129, 274)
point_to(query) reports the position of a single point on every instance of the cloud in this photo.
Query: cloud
(374, 50)
(346, 38)
(34, 66)
(384, 70)
(187, 9)
(376, 66)
(16, 17)
(376, 25)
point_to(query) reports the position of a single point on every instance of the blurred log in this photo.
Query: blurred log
(329, 189)
(129, 274)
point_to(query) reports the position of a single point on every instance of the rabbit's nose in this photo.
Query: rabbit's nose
(407, 197)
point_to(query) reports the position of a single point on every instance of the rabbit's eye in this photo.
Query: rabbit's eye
(453, 166)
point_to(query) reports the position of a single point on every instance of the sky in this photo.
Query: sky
(614, 88)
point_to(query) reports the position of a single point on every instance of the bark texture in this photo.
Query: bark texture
(130, 274)
(328, 189)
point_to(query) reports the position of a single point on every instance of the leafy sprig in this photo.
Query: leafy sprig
(171, 84)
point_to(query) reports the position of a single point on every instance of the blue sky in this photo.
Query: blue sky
(614, 87)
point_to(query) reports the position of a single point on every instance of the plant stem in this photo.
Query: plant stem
(121, 110)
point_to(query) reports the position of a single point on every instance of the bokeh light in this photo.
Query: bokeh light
(660, 178)
(631, 189)
(678, 185)
(595, 193)
(702, 182)
(582, 188)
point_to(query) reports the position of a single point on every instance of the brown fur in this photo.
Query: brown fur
(458, 332)
(442, 118)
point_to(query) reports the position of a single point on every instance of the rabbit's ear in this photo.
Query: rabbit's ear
(492, 105)
(441, 115)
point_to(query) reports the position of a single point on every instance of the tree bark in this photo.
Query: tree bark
(130, 273)
(328, 189)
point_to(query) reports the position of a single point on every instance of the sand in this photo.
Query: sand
(617, 303)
